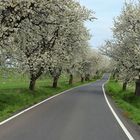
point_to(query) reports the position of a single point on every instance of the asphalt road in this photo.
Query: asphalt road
(79, 114)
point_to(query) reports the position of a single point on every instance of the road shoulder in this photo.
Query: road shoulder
(132, 127)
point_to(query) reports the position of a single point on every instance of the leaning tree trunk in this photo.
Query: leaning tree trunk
(55, 82)
(137, 91)
(124, 86)
(71, 79)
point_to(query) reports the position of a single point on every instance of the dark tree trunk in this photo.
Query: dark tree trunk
(34, 77)
(55, 82)
(87, 77)
(124, 86)
(97, 72)
(137, 91)
(32, 84)
(71, 79)
(55, 72)
(82, 79)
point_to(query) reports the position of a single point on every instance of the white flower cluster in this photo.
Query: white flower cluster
(46, 36)
(124, 48)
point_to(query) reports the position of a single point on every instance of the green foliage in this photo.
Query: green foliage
(126, 100)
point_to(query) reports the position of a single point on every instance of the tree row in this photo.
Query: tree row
(124, 48)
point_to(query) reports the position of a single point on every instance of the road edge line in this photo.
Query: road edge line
(130, 137)
(33, 106)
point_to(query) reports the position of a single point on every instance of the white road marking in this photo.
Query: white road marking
(20, 113)
(116, 116)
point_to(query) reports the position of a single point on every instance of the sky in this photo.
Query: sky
(105, 12)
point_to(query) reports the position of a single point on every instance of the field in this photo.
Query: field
(126, 100)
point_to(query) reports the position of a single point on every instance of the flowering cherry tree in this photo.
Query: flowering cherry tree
(125, 47)
(39, 33)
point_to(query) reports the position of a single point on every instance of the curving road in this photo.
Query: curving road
(79, 114)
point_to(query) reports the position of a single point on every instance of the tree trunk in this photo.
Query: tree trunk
(124, 86)
(55, 73)
(82, 79)
(87, 77)
(34, 77)
(137, 91)
(55, 82)
(71, 79)
(32, 84)
(97, 72)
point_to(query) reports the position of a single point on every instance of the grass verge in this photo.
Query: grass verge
(126, 100)
(14, 96)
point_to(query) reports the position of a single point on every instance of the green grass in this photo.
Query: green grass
(15, 96)
(126, 100)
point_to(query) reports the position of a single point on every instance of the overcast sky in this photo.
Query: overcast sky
(105, 11)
